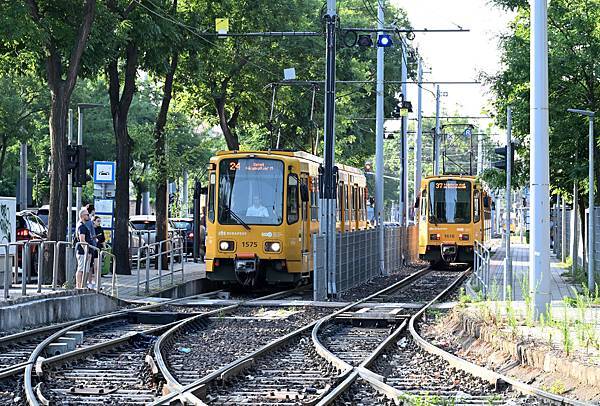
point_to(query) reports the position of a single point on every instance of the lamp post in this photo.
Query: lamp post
(80, 108)
(590, 115)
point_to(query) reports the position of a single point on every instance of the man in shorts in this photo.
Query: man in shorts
(83, 236)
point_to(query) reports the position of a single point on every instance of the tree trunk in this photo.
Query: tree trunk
(3, 154)
(61, 82)
(161, 159)
(138, 200)
(57, 224)
(119, 106)
(233, 144)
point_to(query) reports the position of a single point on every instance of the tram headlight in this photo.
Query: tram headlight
(226, 245)
(273, 246)
(463, 237)
(434, 237)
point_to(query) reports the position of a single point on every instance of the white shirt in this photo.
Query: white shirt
(260, 211)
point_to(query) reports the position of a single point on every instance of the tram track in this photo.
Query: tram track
(108, 367)
(372, 355)
(275, 372)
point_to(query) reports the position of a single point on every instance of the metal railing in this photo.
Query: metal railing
(157, 251)
(21, 263)
(481, 257)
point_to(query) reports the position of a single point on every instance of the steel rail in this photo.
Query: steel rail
(362, 369)
(29, 392)
(493, 377)
(171, 383)
(190, 392)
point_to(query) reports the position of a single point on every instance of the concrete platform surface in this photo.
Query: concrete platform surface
(559, 287)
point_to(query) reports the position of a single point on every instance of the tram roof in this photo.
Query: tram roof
(292, 154)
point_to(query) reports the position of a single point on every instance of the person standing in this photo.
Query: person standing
(83, 258)
(99, 233)
(92, 252)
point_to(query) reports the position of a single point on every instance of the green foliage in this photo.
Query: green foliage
(574, 48)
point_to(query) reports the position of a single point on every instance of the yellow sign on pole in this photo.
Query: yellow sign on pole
(222, 25)
(403, 112)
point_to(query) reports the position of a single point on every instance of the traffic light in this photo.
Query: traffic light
(502, 152)
(402, 109)
(71, 154)
(80, 176)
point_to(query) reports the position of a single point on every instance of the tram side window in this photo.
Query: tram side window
(424, 205)
(211, 198)
(346, 205)
(304, 181)
(314, 199)
(340, 196)
(476, 207)
(292, 199)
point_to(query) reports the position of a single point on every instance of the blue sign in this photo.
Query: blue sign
(104, 171)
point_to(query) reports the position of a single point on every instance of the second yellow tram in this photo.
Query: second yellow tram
(453, 211)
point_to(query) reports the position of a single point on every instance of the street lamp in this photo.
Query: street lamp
(80, 108)
(590, 115)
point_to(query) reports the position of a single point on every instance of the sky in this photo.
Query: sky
(456, 56)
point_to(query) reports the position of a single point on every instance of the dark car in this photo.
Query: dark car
(30, 227)
(185, 227)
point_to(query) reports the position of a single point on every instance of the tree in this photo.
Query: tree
(54, 35)
(574, 48)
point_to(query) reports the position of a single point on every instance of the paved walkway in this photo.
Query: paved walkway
(559, 287)
(126, 285)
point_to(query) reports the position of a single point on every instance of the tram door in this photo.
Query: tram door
(305, 228)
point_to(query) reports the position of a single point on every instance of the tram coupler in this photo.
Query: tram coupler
(449, 252)
(246, 270)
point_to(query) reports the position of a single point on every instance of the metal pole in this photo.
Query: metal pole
(508, 274)
(379, 144)
(436, 137)
(79, 142)
(328, 202)
(69, 184)
(575, 237)
(563, 231)
(591, 284)
(539, 250)
(23, 177)
(404, 206)
(184, 197)
(419, 141)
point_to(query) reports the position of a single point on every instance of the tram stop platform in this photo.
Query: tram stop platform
(560, 287)
(49, 306)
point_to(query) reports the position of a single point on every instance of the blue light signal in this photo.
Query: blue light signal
(384, 40)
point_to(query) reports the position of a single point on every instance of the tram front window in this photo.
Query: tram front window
(449, 202)
(250, 191)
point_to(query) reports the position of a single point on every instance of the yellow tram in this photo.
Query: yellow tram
(454, 212)
(263, 208)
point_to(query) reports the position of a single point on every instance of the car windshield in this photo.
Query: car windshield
(250, 191)
(449, 202)
(144, 225)
(183, 225)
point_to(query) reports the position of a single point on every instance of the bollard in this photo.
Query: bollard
(99, 271)
(160, 263)
(181, 249)
(171, 265)
(138, 269)
(40, 267)
(113, 287)
(7, 270)
(24, 268)
(147, 284)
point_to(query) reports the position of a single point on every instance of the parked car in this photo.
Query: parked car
(144, 226)
(30, 227)
(185, 226)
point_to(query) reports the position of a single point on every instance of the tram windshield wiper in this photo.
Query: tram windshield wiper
(237, 217)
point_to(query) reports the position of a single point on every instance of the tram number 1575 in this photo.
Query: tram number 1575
(249, 244)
